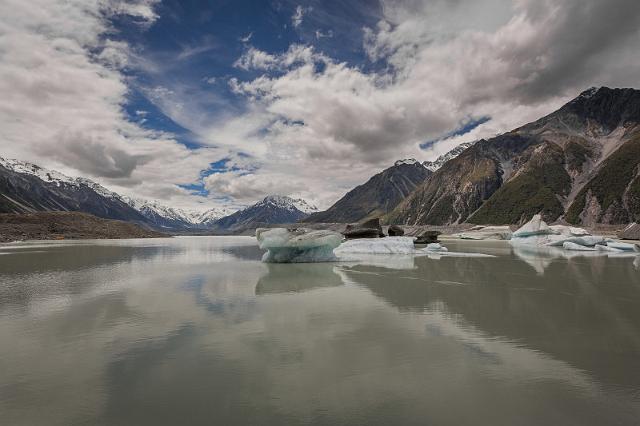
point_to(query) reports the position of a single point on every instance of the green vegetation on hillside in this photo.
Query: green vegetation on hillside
(534, 190)
(609, 185)
(576, 154)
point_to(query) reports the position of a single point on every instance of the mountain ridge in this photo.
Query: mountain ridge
(541, 167)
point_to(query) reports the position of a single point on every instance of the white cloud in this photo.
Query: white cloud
(320, 34)
(447, 61)
(63, 96)
(299, 13)
(312, 127)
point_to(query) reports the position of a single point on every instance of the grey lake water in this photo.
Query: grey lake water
(198, 331)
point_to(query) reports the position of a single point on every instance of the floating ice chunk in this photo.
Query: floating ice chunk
(603, 247)
(436, 247)
(297, 245)
(623, 246)
(486, 233)
(536, 226)
(537, 240)
(588, 241)
(387, 245)
(569, 230)
(568, 245)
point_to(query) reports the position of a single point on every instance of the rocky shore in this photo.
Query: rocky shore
(67, 225)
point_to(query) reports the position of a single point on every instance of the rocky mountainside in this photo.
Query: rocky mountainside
(379, 195)
(580, 163)
(28, 188)
(273, 209)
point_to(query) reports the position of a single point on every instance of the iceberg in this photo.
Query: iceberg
(569, 230)
(436, 247)
(603, 247)
(536, 226)
(623, 246)
(537, 233)
(297, 245)
(588, 241)
(568, 245)
(485, 233)
(386, 245)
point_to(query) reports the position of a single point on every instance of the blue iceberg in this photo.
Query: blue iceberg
(297, 245)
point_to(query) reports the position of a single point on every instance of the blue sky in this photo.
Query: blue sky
(202, 104)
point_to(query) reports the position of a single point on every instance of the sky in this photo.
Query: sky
(202, 104)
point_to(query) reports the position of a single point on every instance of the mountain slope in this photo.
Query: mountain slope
(27, 188)
(561, 162)
(377, 196)
(271, 210)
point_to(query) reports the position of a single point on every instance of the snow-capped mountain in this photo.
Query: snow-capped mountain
(436, 164)
(273, 209)
(408, 161)
(28, 187)
(287, 203)
(170, 217)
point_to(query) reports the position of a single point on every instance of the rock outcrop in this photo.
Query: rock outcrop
(368, 229)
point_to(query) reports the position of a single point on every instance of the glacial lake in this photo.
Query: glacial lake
(197, 330)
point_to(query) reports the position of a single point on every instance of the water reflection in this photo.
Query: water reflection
(182, 333)
(295, 278)
(577, 312)
(540, 258)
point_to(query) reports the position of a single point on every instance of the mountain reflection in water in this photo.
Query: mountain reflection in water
(156, 332)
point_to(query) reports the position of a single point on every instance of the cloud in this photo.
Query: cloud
(63, 97)
(299, 13)
(310, 125)
(320, 34)
(439, 63)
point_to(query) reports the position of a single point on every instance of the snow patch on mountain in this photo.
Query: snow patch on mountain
(439, 162)
(287, 203)
(408, 161)
(43, 174)
(152, 210)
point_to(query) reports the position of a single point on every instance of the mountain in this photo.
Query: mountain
(580, 163)
(271, 210)
(435, 165)
(379, 195)
(28, 188)
(165, 217)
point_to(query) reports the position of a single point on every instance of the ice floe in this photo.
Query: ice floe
(436, 247)
(297, 245)
(537, 239)
(624, 246)
(485, 233)
(387, 245)
(535, 227)
(568, 245)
